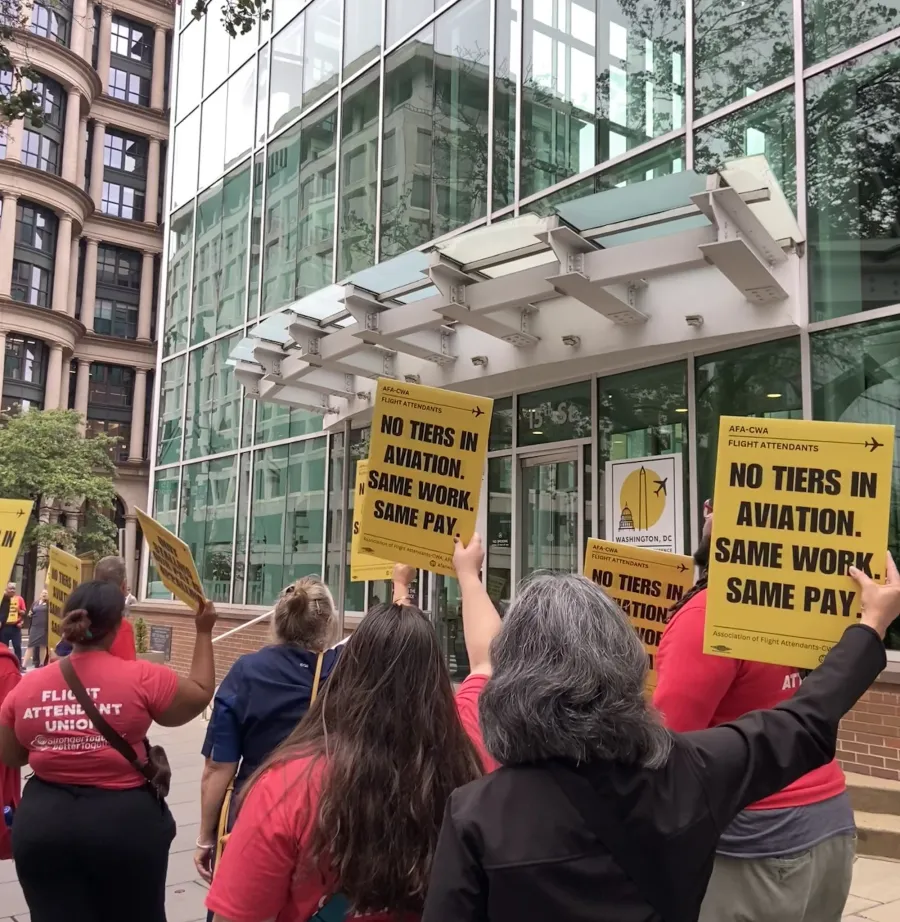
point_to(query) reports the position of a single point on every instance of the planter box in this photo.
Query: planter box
(153, 657)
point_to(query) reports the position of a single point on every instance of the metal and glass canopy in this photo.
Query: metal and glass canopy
(634, 269)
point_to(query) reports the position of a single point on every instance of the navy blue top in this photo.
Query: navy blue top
(259, 702)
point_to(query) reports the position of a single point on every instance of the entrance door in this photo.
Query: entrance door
(552, 527)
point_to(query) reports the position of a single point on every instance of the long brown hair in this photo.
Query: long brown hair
(386, 723)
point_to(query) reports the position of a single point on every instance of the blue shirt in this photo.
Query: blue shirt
(259, 702)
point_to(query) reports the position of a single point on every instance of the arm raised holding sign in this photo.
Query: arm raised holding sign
(196, 691)
(481, 623)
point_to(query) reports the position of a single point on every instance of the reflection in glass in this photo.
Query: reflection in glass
(322, 54)
(362, 34)
(259, 167)
(405, 15)
(275, 422)
(766, 127)
(280, 255)
(212, 413)
(240, 538)
(856, 379)
(165, 511)
(436, 129)
(287, 517)
(190, 56)
(739, 48)
(284, 11)
(499, 530)
(186, 145)
(212, 137)
(831, 27)
(555, 415)
(215, 61)
(262, 95)
(208, 506)
(501, 424)
(506, 74)
(761, 381)
(171, 400)
(643, 413)
(239, 115)
(220, 256)
(359, 162)
(550, 511)
(853, 177)
(178, 283)
(286, 81)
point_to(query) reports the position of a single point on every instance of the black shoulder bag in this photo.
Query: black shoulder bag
(156, 769)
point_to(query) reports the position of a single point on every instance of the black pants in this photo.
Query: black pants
(90, 855)
(11, 635)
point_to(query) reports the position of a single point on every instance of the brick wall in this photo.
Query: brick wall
(868, 743)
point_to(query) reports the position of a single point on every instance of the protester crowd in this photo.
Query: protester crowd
(348, 778)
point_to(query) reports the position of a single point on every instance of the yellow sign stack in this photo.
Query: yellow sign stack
(364, 566)
(63, 575)
(14, 516)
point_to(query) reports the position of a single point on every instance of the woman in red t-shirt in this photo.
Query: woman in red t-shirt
(90, 840)
(352, 801)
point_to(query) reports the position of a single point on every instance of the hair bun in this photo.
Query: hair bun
(76, 626)
(296, 601)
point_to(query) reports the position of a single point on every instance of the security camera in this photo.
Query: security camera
(411, 379)
(694, 320)
(479, 361)
(571, 340)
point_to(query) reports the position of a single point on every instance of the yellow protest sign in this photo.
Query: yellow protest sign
(14, 516)
(426, 464)
(63, 575)
(174, 562)
(644, 583)
(364, 566)
(797, 503)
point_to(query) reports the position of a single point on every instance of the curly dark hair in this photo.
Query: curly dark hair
(387, 727)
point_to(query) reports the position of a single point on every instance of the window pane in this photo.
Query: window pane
(853, 173)
(262, 95)
(171, 400)
(282, 194)
(761, 381)
(830, 28)
(286, 82)
(215, 61)
(739, 48)
(208, 494)
(443, 71)
(404, 15)
(239, 115)
(321, 56)
(555, 415)
(259, 167)
(501, 425)
(275, 422)
(213, 409)
(856, 378)
(767, 128)
(362, 34)
(165, 511)
(640, 414)
(178, 284)
(240, 542)
(499, 530)
(305, 512)
(318, 133)
(212, 137)
(506, 75)
(187, 145)
(359, 160)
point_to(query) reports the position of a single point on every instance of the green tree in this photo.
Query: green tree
(17, 98)
(238, 16)
(45, 458)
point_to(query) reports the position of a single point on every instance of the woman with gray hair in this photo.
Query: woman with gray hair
(600, 814)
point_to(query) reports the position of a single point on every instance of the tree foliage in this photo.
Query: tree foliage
(45, 458)
(238, 16)
(17, 97)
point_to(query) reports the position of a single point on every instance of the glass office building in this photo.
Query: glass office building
(355, 162)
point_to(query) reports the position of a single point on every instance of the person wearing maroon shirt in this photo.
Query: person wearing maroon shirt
(788, 857)
(88, 817)
(347, 811)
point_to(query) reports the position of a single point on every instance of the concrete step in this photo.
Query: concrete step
(874, 795)
(879, 835)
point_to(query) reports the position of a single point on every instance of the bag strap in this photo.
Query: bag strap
(317, 678)
(609, 830)
(115, 740)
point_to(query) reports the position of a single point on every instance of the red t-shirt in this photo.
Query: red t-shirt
(63, 744)
(10, 778)
(695, 691)
(261, 876)
(123, 644)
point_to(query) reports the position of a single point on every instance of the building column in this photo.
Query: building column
(73, 521)
(61, 279)
(14, 132)
(81, 171)
(151, 197)
(40, 577)
(89, 284)
(54, 374)
(145, 305)
(130, 549)
(97, 164)
(82, 389)
(158, 78)
(81, 29)
(64, 383)
(103, 49)
(2, 357)
(73, 278)
(71, 145)
(7, 241)
(138, 407)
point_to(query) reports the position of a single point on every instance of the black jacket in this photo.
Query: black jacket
(606, 842)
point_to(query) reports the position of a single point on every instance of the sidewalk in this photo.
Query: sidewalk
(875, 890)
